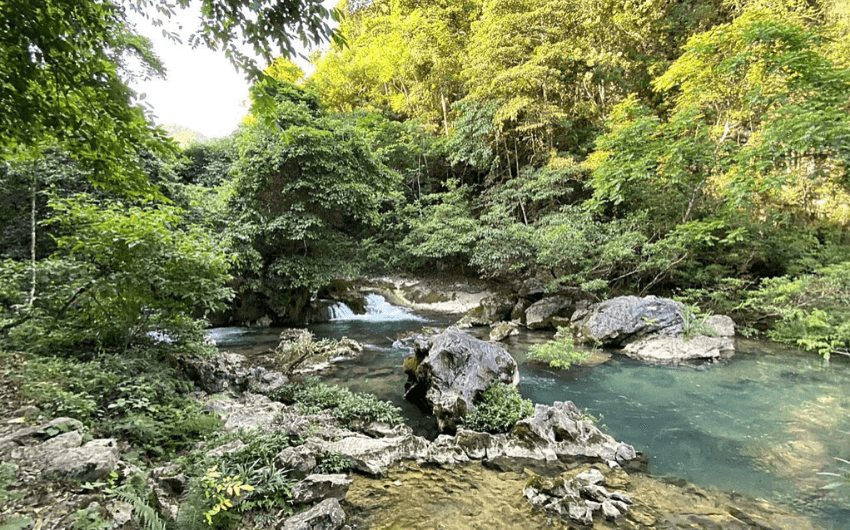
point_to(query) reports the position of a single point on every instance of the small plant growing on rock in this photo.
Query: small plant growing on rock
(561, 353)
(695, 322)
(221, 490)
(331, 463)
(500, 408)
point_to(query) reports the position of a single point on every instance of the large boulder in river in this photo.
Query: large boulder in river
(549, 312)
(620, 320)
(448, 372)
(715, 339)
(655, 329)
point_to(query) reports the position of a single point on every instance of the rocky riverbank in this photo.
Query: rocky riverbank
(344, 470)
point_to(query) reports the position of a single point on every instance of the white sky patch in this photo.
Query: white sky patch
(202, 90)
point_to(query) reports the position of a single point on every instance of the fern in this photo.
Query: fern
(143, 513)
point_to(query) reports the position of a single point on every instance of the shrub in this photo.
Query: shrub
(500, 408)
(332, 463)
(137, 396)
(560, 353)
(811, 311)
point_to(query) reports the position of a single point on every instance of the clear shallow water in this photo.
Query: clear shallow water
(761, 424)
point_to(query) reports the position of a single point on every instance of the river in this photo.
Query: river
(766, 423)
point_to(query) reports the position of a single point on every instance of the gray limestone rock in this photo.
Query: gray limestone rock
(676, 349)
(592, 476)
(503, 330)
(253, 411)
(449, 371)
(722, 325)
(543, 313)
(300, 460)
(316, 487)
(373, 455)
(89, 463)
(327, 515)
(620, 320)
(581, 513)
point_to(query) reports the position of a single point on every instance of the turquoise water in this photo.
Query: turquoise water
(761, 424)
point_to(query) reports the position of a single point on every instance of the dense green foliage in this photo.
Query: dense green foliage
(500, 407)
(305, 184)
(136, 396)
(614, 147)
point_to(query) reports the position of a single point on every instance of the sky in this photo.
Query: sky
(202, 90)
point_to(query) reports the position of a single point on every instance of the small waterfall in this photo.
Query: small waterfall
(340, 311)
(377, 310)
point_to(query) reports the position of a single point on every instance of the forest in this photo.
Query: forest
(694, 149)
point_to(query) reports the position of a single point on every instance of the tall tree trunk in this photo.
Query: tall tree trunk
(32, 240)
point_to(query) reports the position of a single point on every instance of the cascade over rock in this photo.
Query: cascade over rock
(448, 372)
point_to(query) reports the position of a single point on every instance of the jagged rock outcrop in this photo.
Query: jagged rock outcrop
(448, 372)
(654, 329)
(327, 515)
(559, 433)
(230, 372)
(319, 486)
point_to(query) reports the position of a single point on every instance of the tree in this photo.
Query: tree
(119, 273)
(62, 63)
(305, 183)
(403, 58)
(751, 159)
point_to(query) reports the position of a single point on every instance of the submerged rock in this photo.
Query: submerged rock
(473, 496)
(448, 373)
